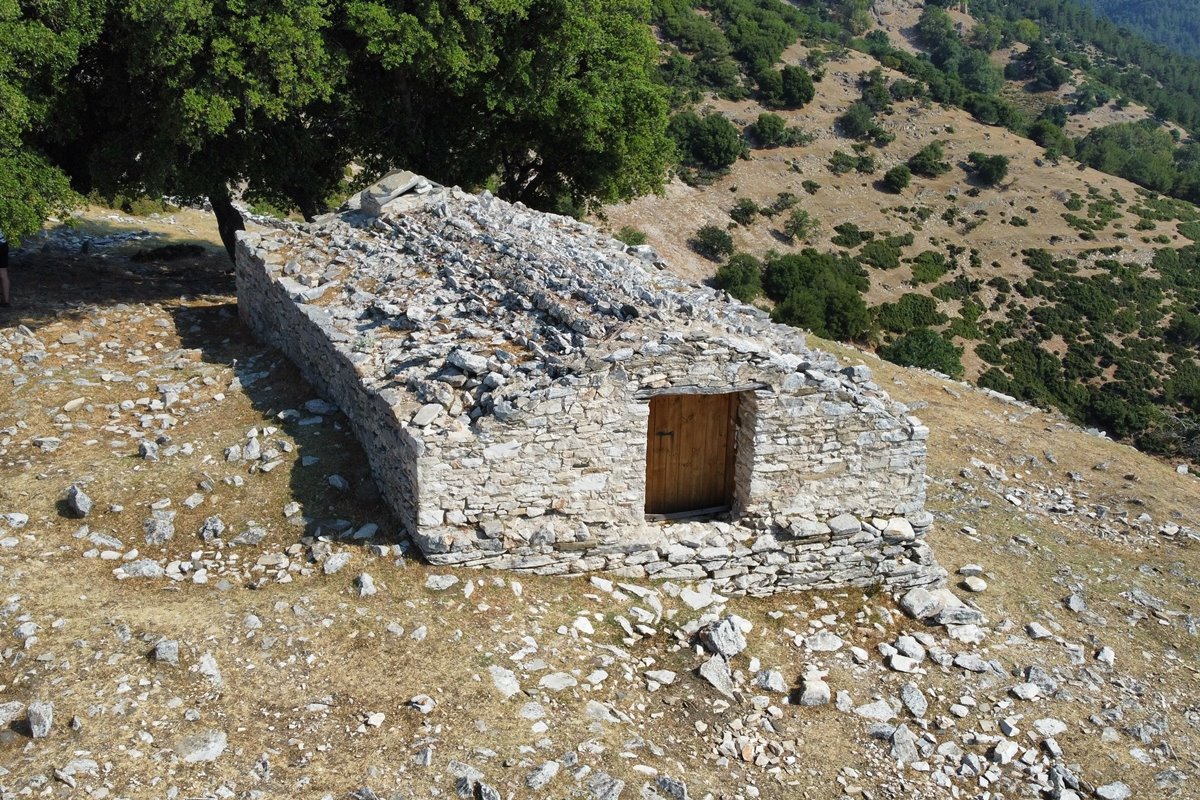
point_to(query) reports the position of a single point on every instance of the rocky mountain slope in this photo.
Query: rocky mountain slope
(298, 647)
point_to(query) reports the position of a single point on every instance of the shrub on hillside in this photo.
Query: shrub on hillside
(709, 142)
(926, 349)
(713, 242)
(630, 235)
(741, 277)
(929, 161)
(897, 178)
(988, 170)
(744, 211)
(928, 266)
(910, 311)
(799, 225)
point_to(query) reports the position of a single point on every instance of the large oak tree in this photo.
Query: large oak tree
(550, 100)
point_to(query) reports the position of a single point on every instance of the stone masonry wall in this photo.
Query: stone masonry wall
(495, 452)
(307, 336)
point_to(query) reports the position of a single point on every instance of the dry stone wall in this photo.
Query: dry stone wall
(497, 365)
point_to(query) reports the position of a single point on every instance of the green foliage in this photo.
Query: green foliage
(791, 87)
(929, 161)
(849, 235)
(31, 191)
(1038, 65)
(883, 253)
(39, 45)
(710, 142)
(783, 202)
(926, 349)
(1190, 229)
(880, 255)
(798, 88)
(712, 242)
(741, 276)
(1141, 152)
(744, 211)
(192, 98)
(841, 162)
(799, 225)
(820, 292)
(631, 236)
(1184, 329)
(928, 266)
(857, 121)
(1051, 136)
(910, 311)
(897, 178)
(771, 130)
(768, 130)
(988, 170)
(989, 353)
(1164, 81)
(1174, 23)
(782, 275)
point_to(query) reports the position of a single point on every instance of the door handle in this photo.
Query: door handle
(664, 433)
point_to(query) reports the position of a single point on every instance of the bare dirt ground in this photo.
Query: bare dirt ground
(136, 382)
(1035, 191)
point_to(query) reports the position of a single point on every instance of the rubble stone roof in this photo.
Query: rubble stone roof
(449, 291)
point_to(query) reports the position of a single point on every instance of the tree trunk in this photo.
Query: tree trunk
(229, 221)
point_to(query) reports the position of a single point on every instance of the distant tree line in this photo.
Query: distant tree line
(1174, 23)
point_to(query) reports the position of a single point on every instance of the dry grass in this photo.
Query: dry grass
(331, 646)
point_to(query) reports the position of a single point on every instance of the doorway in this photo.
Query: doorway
(690, 443)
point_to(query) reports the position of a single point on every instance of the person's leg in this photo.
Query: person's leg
(4, 286)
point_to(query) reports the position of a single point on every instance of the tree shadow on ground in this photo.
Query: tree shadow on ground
(57, 282)
(55, 276)
(277, 390)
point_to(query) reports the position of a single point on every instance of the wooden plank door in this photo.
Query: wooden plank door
(689, 453)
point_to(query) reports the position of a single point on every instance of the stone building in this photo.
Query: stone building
(534, 395)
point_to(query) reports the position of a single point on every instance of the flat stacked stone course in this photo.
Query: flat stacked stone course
(497, 365)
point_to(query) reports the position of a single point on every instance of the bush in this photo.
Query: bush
(989, 353)
(713, 242)
(630, 236)
(710, 142)
(744, 211)
(858, 121)
(772, 131)
(897, 178)
(989, 170)
(799, 225)
(850, 235)
(929, 266)
(783, 201)
(881, 254)
(910, 311)
(768, 130)
(819, 291)
(798, 89)
(926, 349)
(741, 277)
(929, 161)
(782, 275)
(841, 162)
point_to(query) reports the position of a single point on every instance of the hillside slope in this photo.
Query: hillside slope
(1175, 23)
(1057, 283)
(289, 655)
